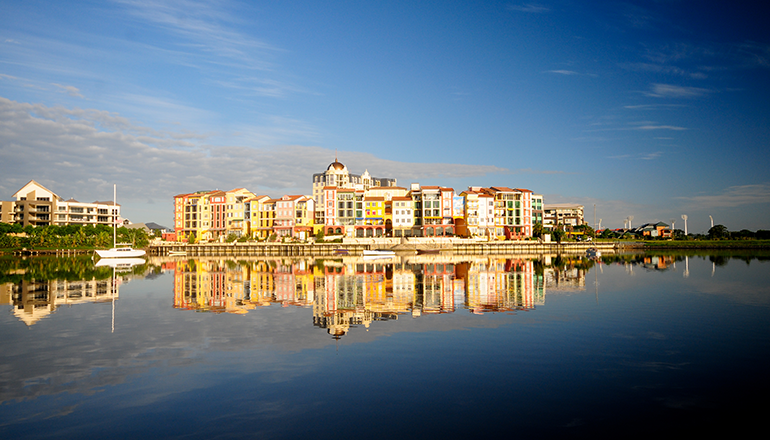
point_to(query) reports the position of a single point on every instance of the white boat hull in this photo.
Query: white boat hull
(120, 252)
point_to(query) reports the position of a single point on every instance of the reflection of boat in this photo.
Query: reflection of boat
(341, 252)
(120, 263)
(383, 253)
(428, 251)
(177, 253)
(378, 257)
(593, 253)
(123, 251)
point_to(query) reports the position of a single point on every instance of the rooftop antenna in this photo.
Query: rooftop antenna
(684, 217)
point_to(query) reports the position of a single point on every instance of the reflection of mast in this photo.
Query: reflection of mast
(113, 300)
(596, 283)
(686, 267)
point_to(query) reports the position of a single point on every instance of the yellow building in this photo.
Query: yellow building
(259, 217)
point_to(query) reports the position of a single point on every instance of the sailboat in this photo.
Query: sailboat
(124, 250)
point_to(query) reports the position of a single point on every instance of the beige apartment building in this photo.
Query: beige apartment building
(36, 205)
(563, 214)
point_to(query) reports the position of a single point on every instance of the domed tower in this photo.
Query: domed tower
(336, 174)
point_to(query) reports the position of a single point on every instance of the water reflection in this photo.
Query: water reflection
(350, 292)
(37, 287)
(342, 292)
(654, 349)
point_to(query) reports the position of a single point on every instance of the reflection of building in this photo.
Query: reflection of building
(657, 262)
(213, 286)
(230, 287)
(34, 300)
(565, 279)
(502, 285)
(355, 292)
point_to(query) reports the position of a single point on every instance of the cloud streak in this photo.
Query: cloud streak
(530, 8)
(672, 91)
(732, 197)
(70, 90)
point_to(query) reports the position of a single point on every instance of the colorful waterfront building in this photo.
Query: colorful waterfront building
(402, 216)
(259, 218)
(513, 212)
(236, 212)
(294, 216)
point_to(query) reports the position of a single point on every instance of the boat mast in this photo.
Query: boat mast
(114, 215)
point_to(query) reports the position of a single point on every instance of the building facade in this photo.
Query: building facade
(36, 205)
(565, 214)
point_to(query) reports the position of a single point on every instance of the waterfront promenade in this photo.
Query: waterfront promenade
(452, 246)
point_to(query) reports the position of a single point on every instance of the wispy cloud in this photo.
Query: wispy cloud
(70, 90)
(569, 73)
(660, 127)
(755, 54)
(639, 125)
(652, 156)
(530, 7)
(672, 91)
(637, 156)
(658, 68)
(563, 72)
(210, 37)
(651, 106)
(732, 197)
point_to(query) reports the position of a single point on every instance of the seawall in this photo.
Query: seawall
(357, 246)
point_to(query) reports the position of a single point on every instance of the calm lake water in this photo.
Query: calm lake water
(418, 348)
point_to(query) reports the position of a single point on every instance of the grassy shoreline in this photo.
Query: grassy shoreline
(708, 244)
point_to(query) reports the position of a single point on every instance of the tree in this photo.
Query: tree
(718, 232)
(558, 233)
(537, 230)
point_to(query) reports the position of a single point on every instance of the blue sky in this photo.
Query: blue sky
(651, 109)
